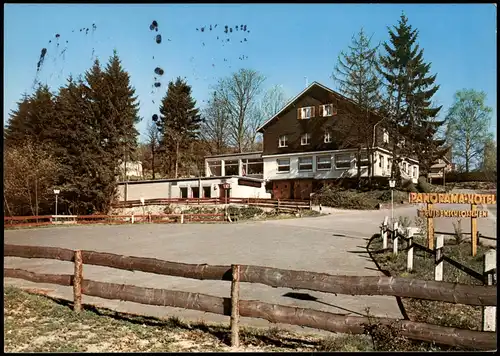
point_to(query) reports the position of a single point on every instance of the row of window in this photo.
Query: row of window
(323, 163)
(305, 139)
(308, 112)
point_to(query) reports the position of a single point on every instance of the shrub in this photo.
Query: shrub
(346, 199)
(424, 186)
(408, 186)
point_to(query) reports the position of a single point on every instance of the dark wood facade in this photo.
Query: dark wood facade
(292, 189)
(343, 127)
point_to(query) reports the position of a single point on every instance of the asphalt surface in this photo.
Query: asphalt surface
(334, 244)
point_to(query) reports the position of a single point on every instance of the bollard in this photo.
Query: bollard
(77, 282)
(132, 219)
(409, 261)
(182, 218)
(490, 267)
(438, 269)
(384, 232)
(395, 238)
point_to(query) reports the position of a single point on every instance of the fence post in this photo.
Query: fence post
(490, 268)
(182, 218)
(438, 268)
(409, 262)
(384, 232)
(132, 219)
(395, 238)
(149, 216)
(235, 312)
(77, 282)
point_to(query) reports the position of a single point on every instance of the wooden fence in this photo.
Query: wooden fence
(24, 221)
(488, 277)
(282, 204)
(274, 277)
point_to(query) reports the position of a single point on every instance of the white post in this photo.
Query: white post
(409, 262)
(132, 219)
(438, 269)
(395, 238)
(392, 205)
(489, 313)
(384, 234)
(182, 218)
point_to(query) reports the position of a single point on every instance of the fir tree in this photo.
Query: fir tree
(179, 120)
(358, 79)
(410, 88)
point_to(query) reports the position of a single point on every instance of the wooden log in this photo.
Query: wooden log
(438, 262)
(490, 267)
(289, 315)
(235, 314)
(430, 230)
(77, 282)
(55, 253)
(322, 282)
(60, 279)
(356, 325)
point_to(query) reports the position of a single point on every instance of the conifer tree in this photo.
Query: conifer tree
(408, 103)
(358, 79)
(179, 120)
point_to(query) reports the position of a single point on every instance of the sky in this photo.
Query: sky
(290, 44)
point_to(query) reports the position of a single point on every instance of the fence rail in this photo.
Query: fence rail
(351, 285)
(22, 221)
(260, 202)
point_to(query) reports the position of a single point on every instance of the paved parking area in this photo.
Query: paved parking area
(320, 244)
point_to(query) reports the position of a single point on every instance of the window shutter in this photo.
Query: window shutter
(299, 113)
(312, 111)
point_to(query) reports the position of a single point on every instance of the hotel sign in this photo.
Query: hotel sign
(452, 198)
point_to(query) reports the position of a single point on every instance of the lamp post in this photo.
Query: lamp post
(392, 184)
(56, 192)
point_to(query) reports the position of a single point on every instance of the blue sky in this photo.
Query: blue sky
(286, 43)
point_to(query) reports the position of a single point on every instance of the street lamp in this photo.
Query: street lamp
(56, 192)
(392, 184)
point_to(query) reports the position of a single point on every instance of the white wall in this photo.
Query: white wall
(171, 189)
(271, 166)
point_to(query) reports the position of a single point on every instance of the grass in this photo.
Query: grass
(37, 323)
(434, 312)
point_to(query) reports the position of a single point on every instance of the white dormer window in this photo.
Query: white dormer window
(305, 139)
(328, 137)
(306, 112)
(282, 141)
(385, 136)
(327, 110)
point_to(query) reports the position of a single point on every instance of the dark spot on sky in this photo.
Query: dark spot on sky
(58, 35)
(158, 39)
(231, 29)
(50, 41)
(159, 71)
(157, 84)
(154, 26)
(203, 29)
(155, 117)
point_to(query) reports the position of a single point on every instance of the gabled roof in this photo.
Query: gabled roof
(287, 105)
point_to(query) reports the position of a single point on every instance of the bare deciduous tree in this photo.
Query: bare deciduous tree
(29, 177)
(238, 95)
(215, 125)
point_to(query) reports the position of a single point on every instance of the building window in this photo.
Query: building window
(415, 172)
(214, 168)
(252, 167)
(284, 165)
(328, 137)
(305, 164)
(306, 112)
(327, 110)
(323, 163)
(184, 192)
(207, 192)
(231, 168)
(364, 160)
(381, 161)
(282, 141)
(195, 192)
(389, 164)
(305, 139)
(385, 136)
(343, 160)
